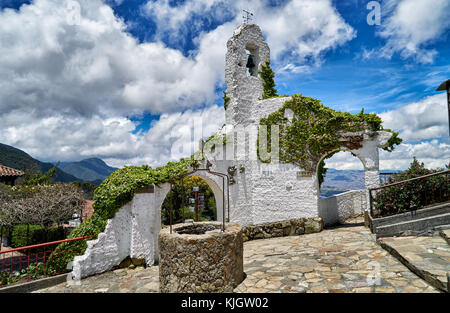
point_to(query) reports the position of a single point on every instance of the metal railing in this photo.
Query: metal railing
(385, 178)
(31, 262)
(410, 194)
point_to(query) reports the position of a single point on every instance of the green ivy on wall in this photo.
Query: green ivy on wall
(225, 100)
(316, 131)
(117, 190)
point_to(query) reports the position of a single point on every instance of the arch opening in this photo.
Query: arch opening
(342, 188)
(342, 172)
(252, 60)
(205, 195)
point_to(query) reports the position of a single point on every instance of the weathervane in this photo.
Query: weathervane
(247, 16)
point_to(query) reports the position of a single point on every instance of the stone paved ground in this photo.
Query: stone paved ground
(344, 259)
(427, 256)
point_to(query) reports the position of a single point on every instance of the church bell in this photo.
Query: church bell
(250, 63)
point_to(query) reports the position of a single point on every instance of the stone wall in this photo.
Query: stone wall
(291, 227)
(210, 262)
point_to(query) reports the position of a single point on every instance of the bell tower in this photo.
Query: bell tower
(246, 51)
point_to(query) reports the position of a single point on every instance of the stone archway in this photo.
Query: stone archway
(345, 203)
(215, 183)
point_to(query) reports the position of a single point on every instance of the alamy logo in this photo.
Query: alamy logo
(374, 16)
(73, 16)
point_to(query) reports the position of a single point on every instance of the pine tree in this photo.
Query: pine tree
(267, 74)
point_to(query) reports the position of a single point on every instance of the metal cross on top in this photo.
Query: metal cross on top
(247, 16)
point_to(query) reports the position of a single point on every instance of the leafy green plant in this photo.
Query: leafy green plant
(25, 235)
(411, 195)
(118, 189)
(225, 100)
(317, 130)
(34, 270)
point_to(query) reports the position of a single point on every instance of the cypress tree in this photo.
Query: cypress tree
(268, 75)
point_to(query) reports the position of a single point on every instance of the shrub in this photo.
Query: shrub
(412, 195)
(118, 189)
(26, 235)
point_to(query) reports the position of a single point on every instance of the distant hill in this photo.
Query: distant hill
(18, 159)
(339, 181)
(344, 179)
(93, 170)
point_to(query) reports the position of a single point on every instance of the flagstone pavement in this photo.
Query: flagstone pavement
(339, 260)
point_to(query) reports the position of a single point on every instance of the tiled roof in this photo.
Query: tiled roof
(7, 171)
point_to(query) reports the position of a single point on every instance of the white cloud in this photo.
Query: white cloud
(410, 25)
(74, 138)
(433, 153)
(94, 67)
(425, 119)
(344, 160)
(68, 82)
(297, 31)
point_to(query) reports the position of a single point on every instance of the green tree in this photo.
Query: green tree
(31, 179)
(267, 74)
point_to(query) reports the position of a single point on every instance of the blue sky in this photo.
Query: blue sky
(132, 71)
(345, 81)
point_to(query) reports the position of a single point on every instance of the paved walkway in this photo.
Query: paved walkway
(428, 257)
(344, 259)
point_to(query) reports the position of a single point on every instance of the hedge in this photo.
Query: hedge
(36, 234)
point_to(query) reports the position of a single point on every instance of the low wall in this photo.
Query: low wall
(291, 227)
(133, 232)
(338, 208)
(208, 261)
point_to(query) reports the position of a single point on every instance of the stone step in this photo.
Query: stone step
(420, 226)
(426, 256)
(445, 233)
(413, 215)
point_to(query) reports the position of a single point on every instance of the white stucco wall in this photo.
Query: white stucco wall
(338, 208)
(132, 232)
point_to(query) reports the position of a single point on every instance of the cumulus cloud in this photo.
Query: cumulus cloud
(297, 31)
(425, 119)
(410, 25)
(92, 67)
(65, 138)
(71, 78)
(433, 153)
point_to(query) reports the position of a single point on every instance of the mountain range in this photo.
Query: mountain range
(95, 170)
(92, 170)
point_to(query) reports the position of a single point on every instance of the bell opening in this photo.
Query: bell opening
(251, 63)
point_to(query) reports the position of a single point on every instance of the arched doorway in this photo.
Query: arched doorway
(342, 186)
(342, 172)
(193, 187)
(214, 183)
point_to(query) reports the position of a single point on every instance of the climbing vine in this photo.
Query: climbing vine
(225, 100)
(317, 130)
(118, 189)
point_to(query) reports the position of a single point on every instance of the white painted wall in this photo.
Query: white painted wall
(132, 232)
(338, 208)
